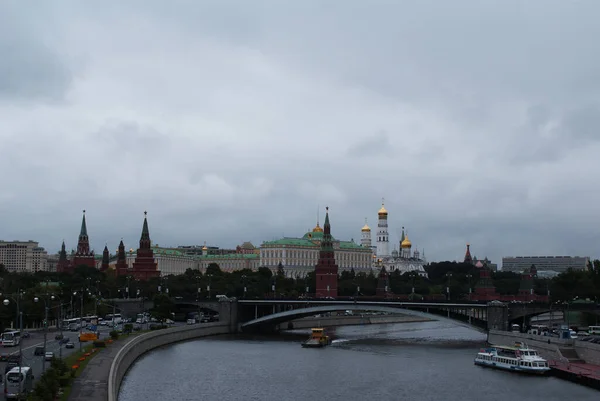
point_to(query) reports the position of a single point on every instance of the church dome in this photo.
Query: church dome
(406, 243)
(382, 211)
(317, 229)
(365, 228)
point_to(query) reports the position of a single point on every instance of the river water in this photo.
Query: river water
(407, 361)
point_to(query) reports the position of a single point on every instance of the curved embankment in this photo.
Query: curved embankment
(149, 341)
(333, 321)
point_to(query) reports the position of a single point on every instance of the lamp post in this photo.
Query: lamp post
(469, 280)
(208, 286)
(17, 300)
(244, 284)
(80, 316)
(448, 275)
(46, 307)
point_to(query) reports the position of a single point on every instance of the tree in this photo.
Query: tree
(213, 269)
(280, 271)
(163, 307)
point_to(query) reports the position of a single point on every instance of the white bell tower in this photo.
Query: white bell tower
(383, 237)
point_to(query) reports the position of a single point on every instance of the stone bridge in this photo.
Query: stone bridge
(266, 314)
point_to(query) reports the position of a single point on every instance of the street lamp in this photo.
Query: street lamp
(208, 286)
(448, 275)
(469, 279)
(46, 301)
(81, 316)
(6, 302)
(244, 284)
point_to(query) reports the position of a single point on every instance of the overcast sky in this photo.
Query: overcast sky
(231, 121)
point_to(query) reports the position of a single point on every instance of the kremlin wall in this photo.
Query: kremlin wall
(298, 255)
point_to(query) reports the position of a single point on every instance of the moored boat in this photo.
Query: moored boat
(317, 339)
(517, 358)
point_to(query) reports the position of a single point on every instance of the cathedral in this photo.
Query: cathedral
(404, 260)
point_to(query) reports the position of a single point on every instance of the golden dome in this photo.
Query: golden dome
(382, 211)
(317, 229)
(366, 227)
(406, 243)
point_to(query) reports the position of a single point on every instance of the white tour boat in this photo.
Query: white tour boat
(518, 358)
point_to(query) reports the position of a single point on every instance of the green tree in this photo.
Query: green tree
(163, 307)
(280, 271)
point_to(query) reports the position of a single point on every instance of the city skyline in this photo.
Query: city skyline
(476, 122)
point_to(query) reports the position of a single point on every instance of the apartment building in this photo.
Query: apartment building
(23, 256)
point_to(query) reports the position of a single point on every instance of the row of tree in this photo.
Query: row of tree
(65, 293)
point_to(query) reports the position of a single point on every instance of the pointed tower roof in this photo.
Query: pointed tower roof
(383, 211)
(402, 238)
(468, 257)
(327, 241)
(83, 231)
(365, 227)
(145, 231)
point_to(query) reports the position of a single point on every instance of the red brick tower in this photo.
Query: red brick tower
(105, 259)
(484, 289)
(326, 271)
(63, 263)
(121, 267)
(144, 266)
(83, 256)
(468, 258)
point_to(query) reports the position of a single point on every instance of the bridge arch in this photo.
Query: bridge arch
(289, 315)
(212, 306)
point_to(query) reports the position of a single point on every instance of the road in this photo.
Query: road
(37, 339)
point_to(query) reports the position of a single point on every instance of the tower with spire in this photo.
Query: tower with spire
(144, 266)
(405, 245)
(83, 256)
(105, 259)
(365, 235)
(63, 263)
(121, 267)
(468, 258)
(383, 236)
(326, 270)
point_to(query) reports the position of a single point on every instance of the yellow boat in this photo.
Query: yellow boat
(317, 339)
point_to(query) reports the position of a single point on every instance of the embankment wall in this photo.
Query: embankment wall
(143, 343)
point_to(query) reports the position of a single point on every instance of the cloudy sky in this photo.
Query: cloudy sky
(230, 121)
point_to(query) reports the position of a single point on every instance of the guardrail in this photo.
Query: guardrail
(143, 343)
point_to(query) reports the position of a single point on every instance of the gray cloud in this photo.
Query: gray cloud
(29, 68)
(231, 121)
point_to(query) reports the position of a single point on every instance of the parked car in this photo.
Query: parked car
(70, 345)
(49, 356)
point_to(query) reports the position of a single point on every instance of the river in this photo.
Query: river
(406, 361)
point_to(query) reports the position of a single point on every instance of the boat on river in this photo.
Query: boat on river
(516, 358)
(318, 339)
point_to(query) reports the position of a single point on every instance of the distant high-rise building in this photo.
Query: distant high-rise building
(557, 264)
(23, 256)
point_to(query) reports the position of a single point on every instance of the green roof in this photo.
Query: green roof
(302, 242)
(231, 256)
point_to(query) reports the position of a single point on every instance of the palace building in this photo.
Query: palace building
(299, 256)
